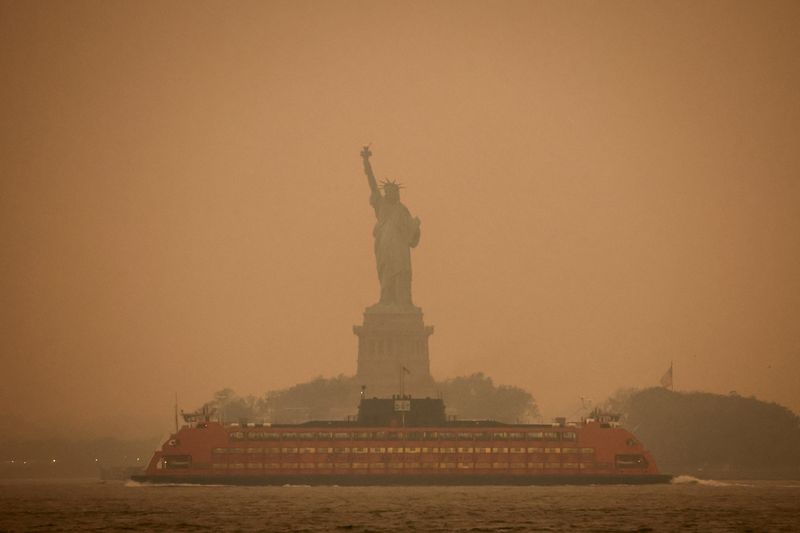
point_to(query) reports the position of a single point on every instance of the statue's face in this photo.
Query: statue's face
(392, 194)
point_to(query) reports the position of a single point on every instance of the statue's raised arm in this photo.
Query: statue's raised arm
(373, 184)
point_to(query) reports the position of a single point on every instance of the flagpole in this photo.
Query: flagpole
(672, 375)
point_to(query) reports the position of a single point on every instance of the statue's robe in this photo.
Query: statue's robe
(395, 234)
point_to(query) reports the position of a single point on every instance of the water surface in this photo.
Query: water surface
(688, 505)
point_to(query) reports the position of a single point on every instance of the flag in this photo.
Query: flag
(666, 379)
(407, 371)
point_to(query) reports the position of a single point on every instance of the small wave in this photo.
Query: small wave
(292, 485)
(691, 480)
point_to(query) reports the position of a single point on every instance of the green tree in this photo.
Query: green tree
(471, 397)
(477, 397)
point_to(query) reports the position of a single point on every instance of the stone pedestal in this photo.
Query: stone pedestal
(389, 341)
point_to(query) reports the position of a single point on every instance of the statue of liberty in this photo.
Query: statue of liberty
(395, 233)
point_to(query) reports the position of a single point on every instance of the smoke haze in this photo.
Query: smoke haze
(604, 187)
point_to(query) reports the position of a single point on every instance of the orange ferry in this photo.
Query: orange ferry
(402, 441)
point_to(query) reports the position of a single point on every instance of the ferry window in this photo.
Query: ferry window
(177, 461)
(394, 435)
(361, 435)
(631, 461)
(341, 450)
(255, 450)
(569, 435)
(220, 450)
(551, 435)
(446, 435)
(515, 436)
(341, 436)
(305, 436)
(587, 450)
(499, 450)
(500, 435)
(552, 450)
(483, 436)
(236, 450)
(535, 435)
(288, 450)
(290, 436)
(324, 436)
(271, 436)
(414, 435)
(237, 435)
(465, 436)
(569, 450)
(431, 435)
(380, 435)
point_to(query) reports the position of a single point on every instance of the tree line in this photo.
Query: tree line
(712, 435)
(469, 397)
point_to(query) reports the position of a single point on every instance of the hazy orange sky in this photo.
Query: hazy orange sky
(604, 187)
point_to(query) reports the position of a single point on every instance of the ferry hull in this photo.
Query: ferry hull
(408, 480)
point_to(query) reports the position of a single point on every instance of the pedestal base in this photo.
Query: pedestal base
(393, 352)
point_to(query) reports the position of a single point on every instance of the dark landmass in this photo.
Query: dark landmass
(711, 435)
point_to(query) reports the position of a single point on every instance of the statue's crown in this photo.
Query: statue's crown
(391, 184)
